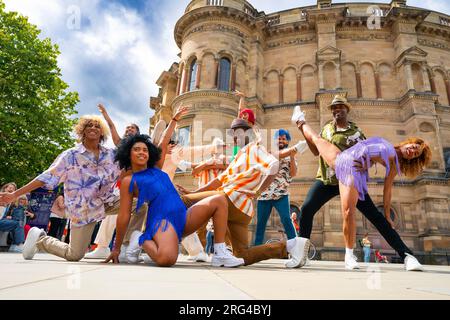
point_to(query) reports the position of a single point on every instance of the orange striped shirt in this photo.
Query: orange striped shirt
(246, 172)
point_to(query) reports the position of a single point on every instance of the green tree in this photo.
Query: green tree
(35, 107)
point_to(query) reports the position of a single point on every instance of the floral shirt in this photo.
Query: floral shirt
(88, 182)
(246, 172)
(279, 187)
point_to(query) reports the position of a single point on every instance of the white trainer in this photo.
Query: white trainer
(98, 253)
(301, 146)
(299, 253)
(411, 263)
(15, 248)
(201, 257)
(29, 247)
(226, 259)
(145, 258)
(298, 115)
(123, 254)
(134, 249)
(351, 262)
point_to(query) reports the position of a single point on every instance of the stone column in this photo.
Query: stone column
(198, 77)
(447, 85)
(281, 88)
(358, 84)
(409, 76)
(426, 80)
(180, 74)
(299, 87)
(433, 84)
(183, 80)
(216, 81)
(233, 77)
(321, 82)
(338, 76)
(378, 85)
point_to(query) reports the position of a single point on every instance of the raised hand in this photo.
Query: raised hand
(101, 108)
(239, 94)
(180, 111)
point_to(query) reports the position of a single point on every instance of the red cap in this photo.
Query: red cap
(251, 115)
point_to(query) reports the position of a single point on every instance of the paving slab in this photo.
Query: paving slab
(49, 277)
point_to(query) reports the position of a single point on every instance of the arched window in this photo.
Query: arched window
(224, 74)
(193, 75)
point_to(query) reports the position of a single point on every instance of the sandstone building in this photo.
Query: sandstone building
(390, 59)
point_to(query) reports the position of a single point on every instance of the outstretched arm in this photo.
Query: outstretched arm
(115, 136)
(163, 144)
(241, 95)
(11, 197)
(123, 218)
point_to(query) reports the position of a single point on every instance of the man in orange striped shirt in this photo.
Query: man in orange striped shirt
(248, 175)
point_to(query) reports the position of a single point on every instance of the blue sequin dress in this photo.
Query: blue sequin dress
(164, 204)
(345, 169)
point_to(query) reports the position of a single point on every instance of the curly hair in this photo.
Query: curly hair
(3, 188)
(82, 123)
(123, 155)
(413, 167)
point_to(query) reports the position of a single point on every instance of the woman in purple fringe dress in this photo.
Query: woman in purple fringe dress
(352, 170)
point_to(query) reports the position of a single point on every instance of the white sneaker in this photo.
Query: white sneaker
(145, 258)
(298, 115)
(301, 146)
(411, 263)
(201, 257)
(123, 254)
(134, 250)
(226, 259)
(98, 253)
(29, 247)
(350, 262)
(14, 248)
(299, 253)
(307, 263)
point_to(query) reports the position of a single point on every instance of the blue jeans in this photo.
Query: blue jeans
(209, 242)
(366, 254)
(264, 210)
(14, 226)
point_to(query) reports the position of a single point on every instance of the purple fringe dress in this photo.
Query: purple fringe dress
(346, 172)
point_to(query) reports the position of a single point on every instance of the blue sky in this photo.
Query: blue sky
(113, 51)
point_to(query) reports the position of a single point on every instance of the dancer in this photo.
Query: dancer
(108, 225)
(89, 174)
(277, 195)
(352, 165)
(167, 219)
(250, 173)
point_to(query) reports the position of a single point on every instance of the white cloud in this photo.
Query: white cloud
(119, 52)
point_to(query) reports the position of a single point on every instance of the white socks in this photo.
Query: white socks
(290, 244)
(220, 249)
(348, 252)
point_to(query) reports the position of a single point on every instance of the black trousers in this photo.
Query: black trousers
(319, 194)
(57, 227)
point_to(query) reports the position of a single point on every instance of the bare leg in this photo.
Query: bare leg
(215, 207)
(349, 198)
(163, 249)
(327, 150)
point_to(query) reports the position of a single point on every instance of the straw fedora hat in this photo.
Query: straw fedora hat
(340, 100)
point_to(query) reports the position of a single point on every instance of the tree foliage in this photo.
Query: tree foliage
(35, 106)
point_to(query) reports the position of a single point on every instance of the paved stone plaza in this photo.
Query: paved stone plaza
(48, 277)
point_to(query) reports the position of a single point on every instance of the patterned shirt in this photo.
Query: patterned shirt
(343, 139)
(279, 187)
(246, 172)
(88, 182)
(206, 176)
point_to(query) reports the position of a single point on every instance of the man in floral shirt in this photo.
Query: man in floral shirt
(89, 173)
(277, 195)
